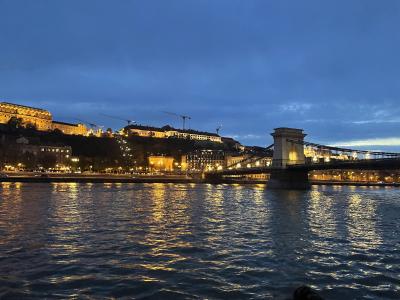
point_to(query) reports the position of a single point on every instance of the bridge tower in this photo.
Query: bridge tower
(288, 150)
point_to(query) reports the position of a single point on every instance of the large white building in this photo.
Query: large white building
(170, 132)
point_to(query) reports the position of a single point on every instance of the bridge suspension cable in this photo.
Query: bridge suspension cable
(352, 152)
(254, 157)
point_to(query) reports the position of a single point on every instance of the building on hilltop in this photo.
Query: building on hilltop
(68, 128)
(40, 118)
(146, 131)
(170, 132)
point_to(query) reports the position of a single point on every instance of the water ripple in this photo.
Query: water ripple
(165, 241)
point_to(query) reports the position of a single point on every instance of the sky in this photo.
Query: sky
(329, 67)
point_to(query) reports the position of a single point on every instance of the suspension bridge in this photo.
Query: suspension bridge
(290, 166)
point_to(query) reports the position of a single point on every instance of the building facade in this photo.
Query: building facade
(161, 163)
(62, 154)
(194, 135)
(68, 128)
(147, 131)
(247, 161)
(170, 132)
(40, 118)
(201, 160)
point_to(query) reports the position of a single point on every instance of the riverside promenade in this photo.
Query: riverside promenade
(107, 178)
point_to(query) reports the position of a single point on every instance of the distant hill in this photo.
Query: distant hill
(102, 152)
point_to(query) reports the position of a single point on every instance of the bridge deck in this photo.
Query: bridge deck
(366, 164)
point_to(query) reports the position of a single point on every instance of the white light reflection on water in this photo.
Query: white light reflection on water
(362, 219)
(322, 219)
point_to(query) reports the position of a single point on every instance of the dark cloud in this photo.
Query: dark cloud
(329, 67)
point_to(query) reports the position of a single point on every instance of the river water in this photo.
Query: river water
(196, 241)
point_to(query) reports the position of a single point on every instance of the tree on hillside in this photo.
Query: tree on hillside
(14, 123)
(30, 126)
(57, 132)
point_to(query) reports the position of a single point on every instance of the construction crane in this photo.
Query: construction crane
(184, 118)
(218, 129)
(118, 118)
(93, 126)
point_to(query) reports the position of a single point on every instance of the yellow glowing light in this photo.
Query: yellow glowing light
(293, 155)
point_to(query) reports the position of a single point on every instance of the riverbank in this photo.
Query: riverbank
(116, 179)
(353, 183)
(101, 178)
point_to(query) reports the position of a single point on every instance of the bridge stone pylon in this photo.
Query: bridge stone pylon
(288, 147)
(288, 150)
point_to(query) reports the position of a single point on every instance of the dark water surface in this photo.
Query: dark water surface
(184, 241)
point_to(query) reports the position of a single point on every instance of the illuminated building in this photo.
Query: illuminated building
(68, 128)
(200, 160)
(235, 160)
(146, 131)
(324, 155)
(170, 132)
(370, 176)
(62, 154)
(161, 163)
(233, 144)
(247, 160)
(40, 118)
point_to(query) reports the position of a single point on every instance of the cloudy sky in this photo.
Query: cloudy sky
(330, 67)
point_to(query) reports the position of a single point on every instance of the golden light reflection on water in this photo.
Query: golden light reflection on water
(11, 189)
(107, 185)
(162, 233)
(170, 219)
(158, 198)
(12, 208)
(213, 200)
(70, 189)
(362, 227)
(258, 195)
(66, 217)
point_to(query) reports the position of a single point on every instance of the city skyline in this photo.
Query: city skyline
(329, 68)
